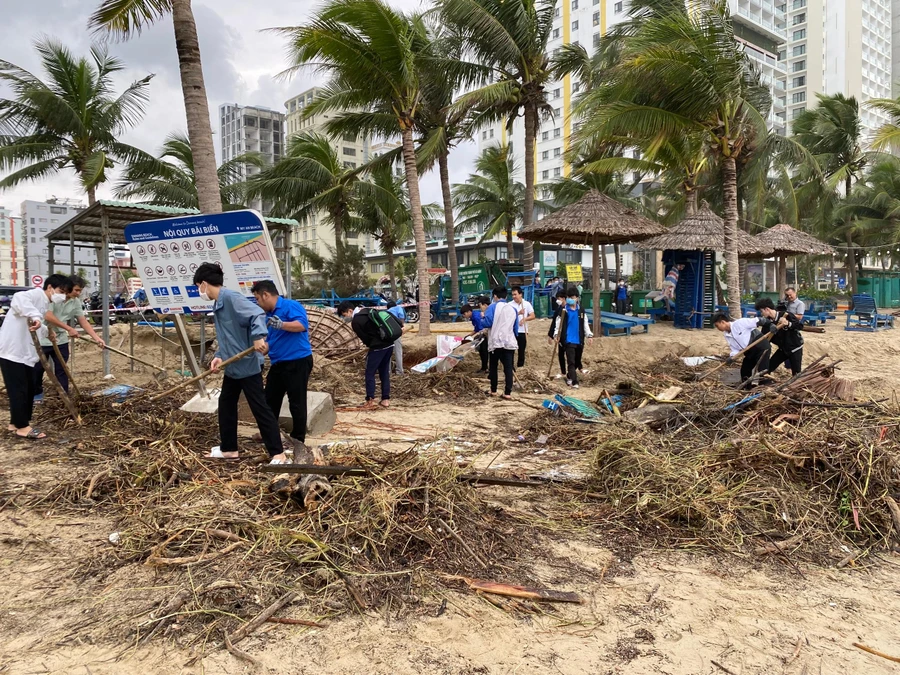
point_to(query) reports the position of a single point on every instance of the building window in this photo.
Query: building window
(42, 220)
(596, 18)
(799, 97)
(57, 209)
(545, 136)
(491, 134)
(556, 33)
(557, 111)
(557, 172)
(556, 13)
(557, 152)
(557, 132)
(799, 65)
(800, 34)
(800, 18)
(545, 174)
(618, 7)
(574, 4)
(545, 154)
(556, 93)
(349, 165)
(32, 229)
(799, 81)
(799, 50)
(484, 135)
(32, 240)
(32, 221)
(596, 39)
(575, 25)
(796, 112)
(799, 4)
(576, 87)
(350, 152)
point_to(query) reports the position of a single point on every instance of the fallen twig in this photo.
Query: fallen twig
(876, 652)
(249, 627)
(462, 542)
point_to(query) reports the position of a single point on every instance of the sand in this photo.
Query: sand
(646, 611)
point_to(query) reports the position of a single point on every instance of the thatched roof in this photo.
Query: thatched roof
(703, 231)
(785, 240)
(593, 214)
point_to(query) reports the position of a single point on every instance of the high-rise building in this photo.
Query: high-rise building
(41, 218)
(314, 232)
(12, 249)
(840, 46)
(246, 129)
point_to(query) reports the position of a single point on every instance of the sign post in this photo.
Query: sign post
(167, 252)
(574, 273)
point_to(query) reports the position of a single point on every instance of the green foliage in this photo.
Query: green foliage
(70, 120)
(637, 280)
(344, 272)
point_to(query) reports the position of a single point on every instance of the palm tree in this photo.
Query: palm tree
(383, 211)
(510, 36)
(374, 56)
(832, 132)
(491, 200)
(127, 17)
(684, 74)
(310, 179)
(71, 121)
(874, 205)
(170, 180)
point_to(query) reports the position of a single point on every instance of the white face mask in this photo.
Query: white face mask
(204, 296)
(58, 297)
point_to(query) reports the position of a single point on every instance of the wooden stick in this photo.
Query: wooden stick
(462, 542)
(204, 375)
(895, 513)
(876, 652)
(294, 622)
(52, 377)
(523, 592)
(767, 336)
(62, 361)
(360, 471)
(723, 668)
(261, 618)
(126, 355)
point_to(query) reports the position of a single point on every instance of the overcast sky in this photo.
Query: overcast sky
(240, 65)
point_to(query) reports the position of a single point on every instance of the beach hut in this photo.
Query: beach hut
(786, 241)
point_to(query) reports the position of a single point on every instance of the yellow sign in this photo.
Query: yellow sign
(574, 273)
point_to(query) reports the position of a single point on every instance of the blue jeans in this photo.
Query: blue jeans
(57, 368)
(379, 361)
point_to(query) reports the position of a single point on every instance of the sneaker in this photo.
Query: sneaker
(39, 399)
(569, 383)
(584, 371)
(574, 386)
(558, 376)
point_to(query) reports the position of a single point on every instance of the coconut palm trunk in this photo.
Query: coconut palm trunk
(729, 190)
(92, 195)
(392, 270)
(531, 122)
(452, 261)
(196, 107)
(415, 204)
(618, 255)
(851, 252)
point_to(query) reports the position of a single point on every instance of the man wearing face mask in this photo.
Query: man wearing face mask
(26, 315)
(558, 308)
(240, 324)
(573, 328)
(57, 320)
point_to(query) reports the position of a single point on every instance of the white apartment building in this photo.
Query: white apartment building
(12, 249)
(840, 46)
(41, 218)
(251, 129)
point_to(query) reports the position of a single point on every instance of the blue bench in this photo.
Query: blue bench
(616, 321)
(865, 317)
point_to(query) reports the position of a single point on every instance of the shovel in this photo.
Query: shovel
(162, 373)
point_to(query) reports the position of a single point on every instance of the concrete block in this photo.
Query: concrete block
(320, 414)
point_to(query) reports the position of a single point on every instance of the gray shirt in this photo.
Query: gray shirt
(239, 322)
(796, 307)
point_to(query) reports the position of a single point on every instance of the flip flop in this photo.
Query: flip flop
(277, 462)
(33, 435)
(506, 397)
(385, 403)
(216, 453)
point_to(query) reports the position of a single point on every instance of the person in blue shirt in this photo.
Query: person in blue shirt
(573, 328)
(476, 317)
(290, 354)
(621, 297)
(240, 324)
(400, 314)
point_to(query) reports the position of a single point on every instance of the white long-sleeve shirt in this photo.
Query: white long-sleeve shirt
(738, 337)
(15, 339)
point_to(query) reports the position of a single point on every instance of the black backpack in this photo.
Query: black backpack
(377, 328)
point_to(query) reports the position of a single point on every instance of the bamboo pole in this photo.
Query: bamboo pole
(767, 336)
(63, 363)
(126, 355)
(52, 376)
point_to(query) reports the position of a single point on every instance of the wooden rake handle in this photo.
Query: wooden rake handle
(125, 354)
(204, 375)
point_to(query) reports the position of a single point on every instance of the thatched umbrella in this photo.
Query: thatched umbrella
(593, 220)
(786, 241)
(704, 231)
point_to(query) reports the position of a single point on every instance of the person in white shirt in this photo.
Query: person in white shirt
(502, 320)
(525, 311)
(26, 315)
(739, 335)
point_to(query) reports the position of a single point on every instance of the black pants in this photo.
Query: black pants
(256, 398)
(504, 356)
(291, 378)
(522, 339)
(621, 305)
(561, 355)
(758, 358)
(19, 380)
(483, 353)
(57, 368)
(573, 362)
(793, 360)
(379, 361)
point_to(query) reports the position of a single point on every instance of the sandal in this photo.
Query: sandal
(369, 405)
(33, 435)
(506, 397)
(490, 393)
(216, 453)
(385, 403)
(276, 462)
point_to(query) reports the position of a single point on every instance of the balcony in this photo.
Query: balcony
(761, 23)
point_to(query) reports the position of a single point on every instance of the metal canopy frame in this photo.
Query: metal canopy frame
(101, 226)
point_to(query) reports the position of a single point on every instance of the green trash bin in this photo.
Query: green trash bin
(639, 302)
(605, 300)
(774, 297)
